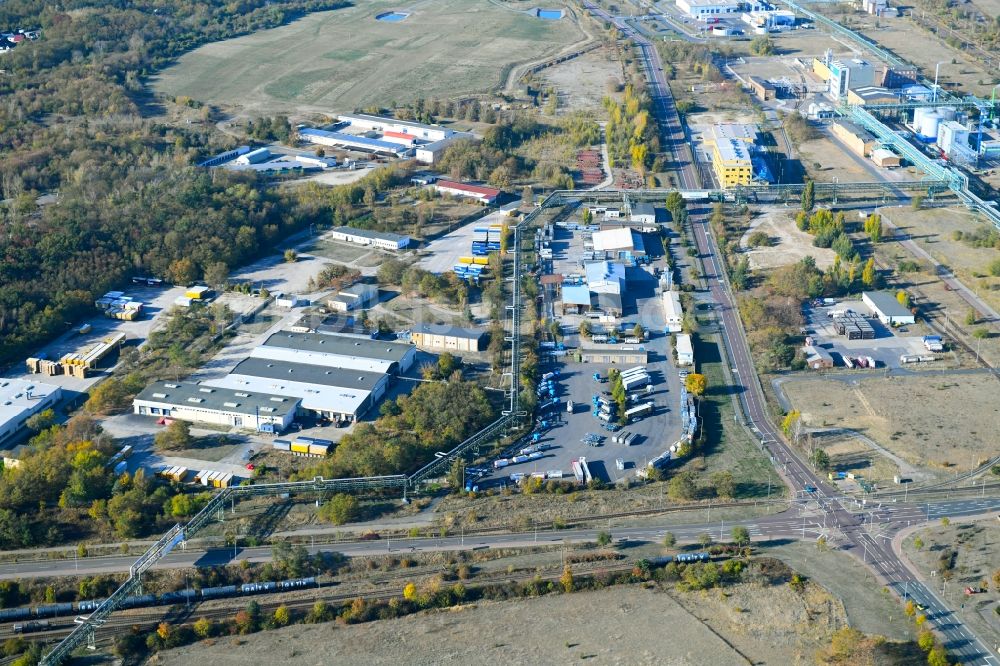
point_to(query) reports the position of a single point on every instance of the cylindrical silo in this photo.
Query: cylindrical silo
(929, 126)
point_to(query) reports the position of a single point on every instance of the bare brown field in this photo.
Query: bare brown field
(925, 49)
(620, 625)
(975, 545)
(833, 162)
(945, 422)
(789, 244)
(583, 82)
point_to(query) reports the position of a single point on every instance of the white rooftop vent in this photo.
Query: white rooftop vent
(276, 399)
(159, 395)
(171, 386)
(267, 409)
(196, 400)
(231, 404)
(243, 395)
(206, 390)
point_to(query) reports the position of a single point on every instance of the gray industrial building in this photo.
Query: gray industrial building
(338, 351)
(334, 393)
(238, 408)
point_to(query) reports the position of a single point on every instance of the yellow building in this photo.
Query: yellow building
(730, 147)
(821, 69)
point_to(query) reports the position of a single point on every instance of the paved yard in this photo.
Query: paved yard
(886, 348)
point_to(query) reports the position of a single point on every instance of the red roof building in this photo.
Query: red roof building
(399, 137)
(487, 195)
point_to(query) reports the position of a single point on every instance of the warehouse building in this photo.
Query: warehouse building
(238, 408)
(439, 337)
(889, 310)
(871, 95)
(860, 140)
(328, 392)
(384, 125)
(619, 241)
(672, 311)
(702, 9)
(685, 352)
(845, 75)
(886, 159)
(485, 195)
(383, 240)
(614, 355)
(19, 401)
(351, 142)
(355, 297)
(338, 351)
(605, 277)
(575, 299)
(762, 89)
(644, 215)
(227, 156)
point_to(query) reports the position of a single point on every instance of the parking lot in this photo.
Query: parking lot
(566, 433)
(886, 348)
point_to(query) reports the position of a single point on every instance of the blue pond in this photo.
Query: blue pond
(549, 14)
(391, 17)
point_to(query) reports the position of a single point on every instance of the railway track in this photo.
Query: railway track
(124, 622)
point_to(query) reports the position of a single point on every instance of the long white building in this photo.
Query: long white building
(330, 392)
(380, 239)
(337, 351)
(235, 407)
(19, 401)
(672, 311)
(383, 124)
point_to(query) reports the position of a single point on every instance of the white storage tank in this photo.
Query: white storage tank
(945, 112)
(928, 129)
(918, 118)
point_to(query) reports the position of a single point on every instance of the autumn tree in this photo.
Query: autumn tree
(696, 384)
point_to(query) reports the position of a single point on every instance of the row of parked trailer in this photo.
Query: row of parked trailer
(165, 599)
(304, 446)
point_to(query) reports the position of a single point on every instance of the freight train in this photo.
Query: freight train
(165, 599)
(680, 557)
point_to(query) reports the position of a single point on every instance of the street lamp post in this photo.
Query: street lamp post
(937, 69)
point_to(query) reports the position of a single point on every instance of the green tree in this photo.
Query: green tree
(682, 487)
(282, 616)
(669, 540)
(176, 436)
(725, 485)
(447, 364)
(203, 627)
(587, 216)
(971, 317)
(456, 474)
(981, 333)
(43, 420)
(821, 460)
(809, 196)
(741, 536)
(291, 256)
(217, 274)
(938, 656)
(873, 227)
(603, 538)
(918, 543)
(705, 539)
(585, 329)
(340, 509)
(762, 46)
(926, 640)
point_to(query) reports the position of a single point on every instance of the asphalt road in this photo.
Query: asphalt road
(805, 521)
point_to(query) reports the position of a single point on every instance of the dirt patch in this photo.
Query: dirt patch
(345, 59)
(973, 563)
(956, 434)
(621, 625)
(788, 243)
(826, 160)
(583, 82)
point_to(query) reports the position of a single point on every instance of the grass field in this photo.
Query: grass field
(342, 60)
(945, 422)
(788, 243)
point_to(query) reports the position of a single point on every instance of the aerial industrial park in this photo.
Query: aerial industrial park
(320, 318)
